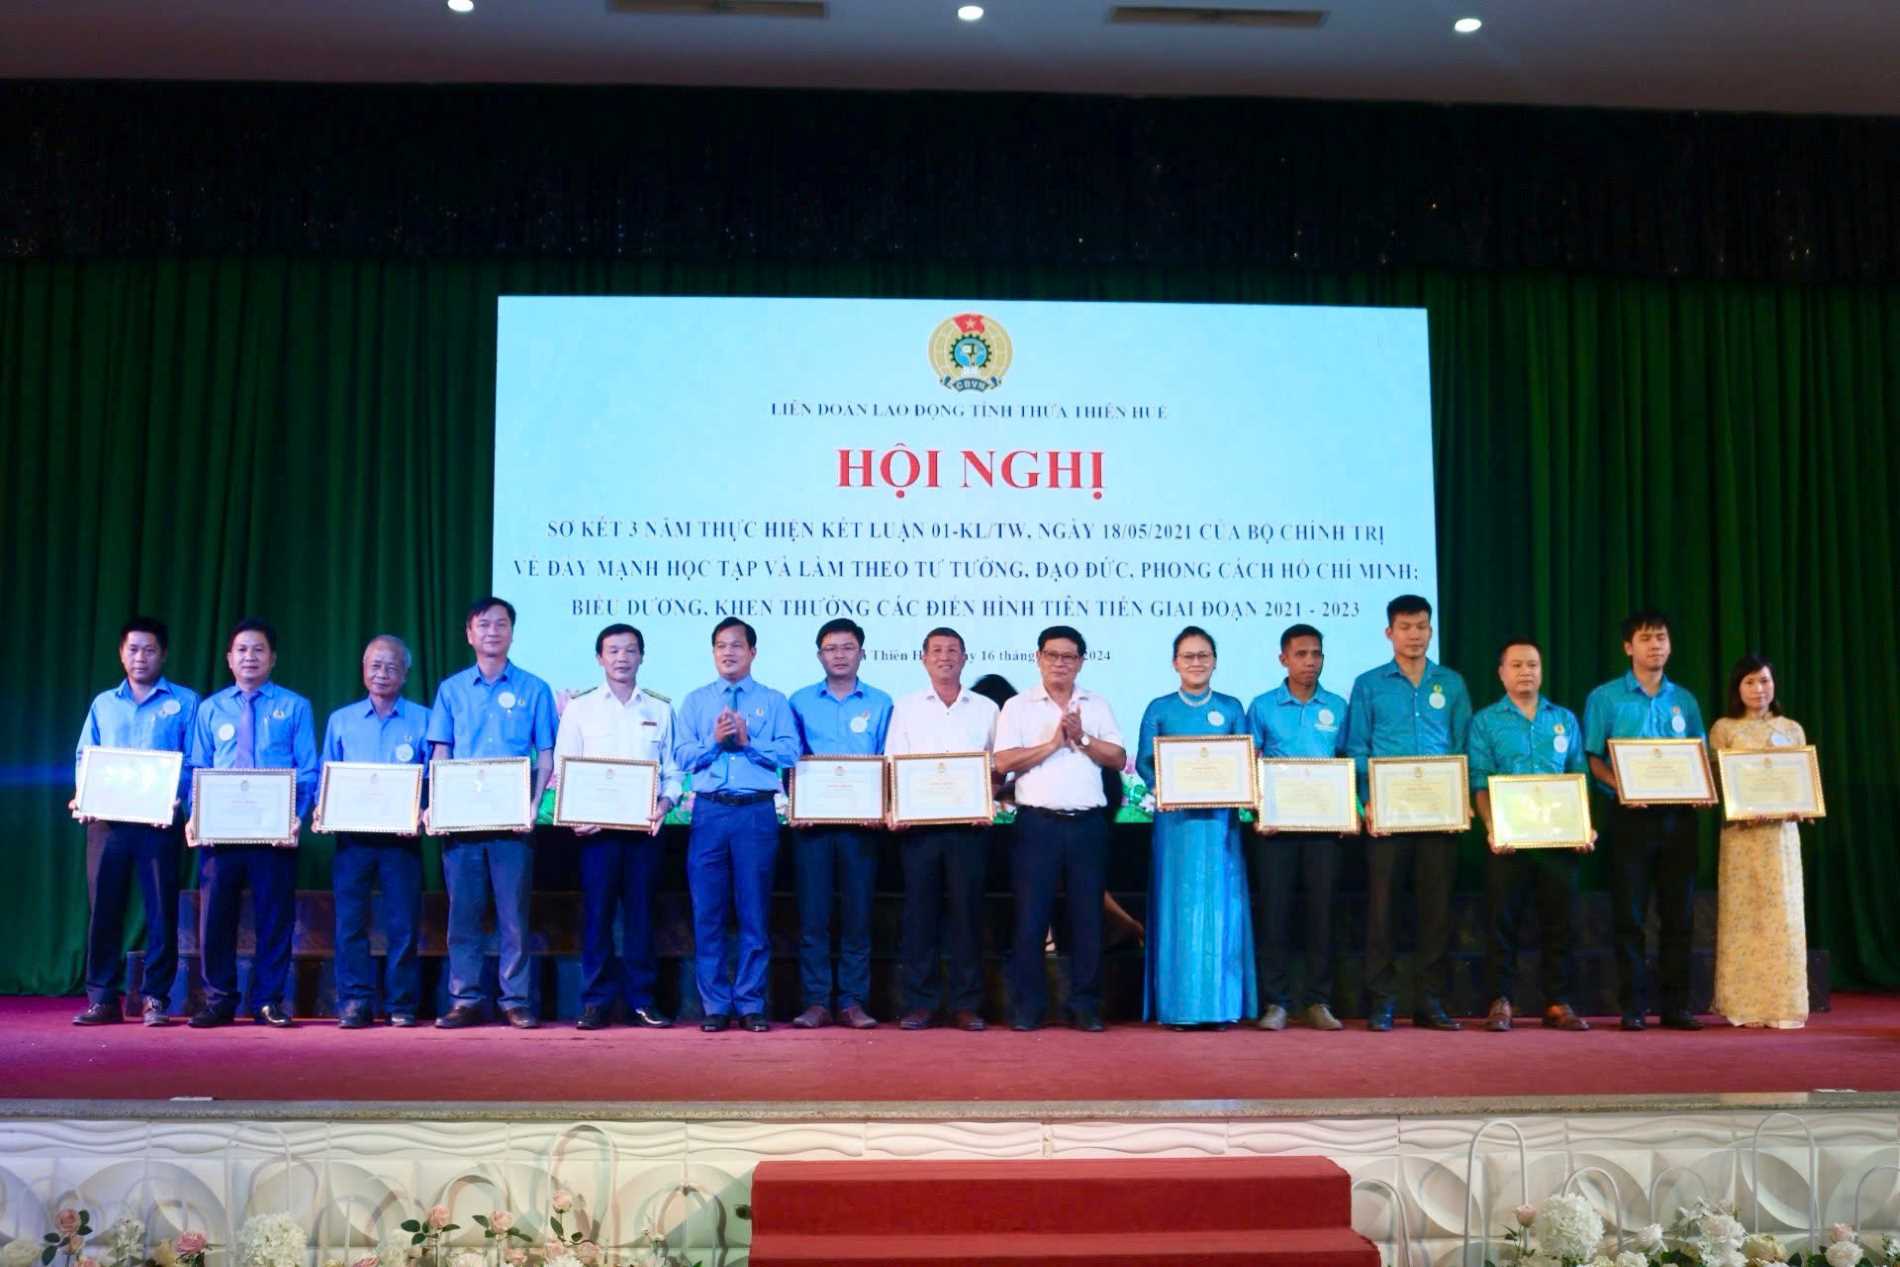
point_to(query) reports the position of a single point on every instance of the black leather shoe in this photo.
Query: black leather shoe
(1379, 1019)
(1680, 1020)
(1632, 1021)
(1089, 1022)
(1024, 1026)
(917, 1018)
(402, 1020)
(99, 1014)
(275, 1016)
(154, 1014)
(210, 1018)
(592, 1017)
(522, 1018)
(1435, 1018)
(649, 1018)
(755, 1022)
(353, 1018)
(461, 1016)
(715, 1023)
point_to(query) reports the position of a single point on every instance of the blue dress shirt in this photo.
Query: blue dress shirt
(160, 722)
(1621, 709)
(1504, 741)
(284, 736)
(1389, 717)
(1284, 727)
(770, 726)
(854, 726)
(355, 733)
(511, 716)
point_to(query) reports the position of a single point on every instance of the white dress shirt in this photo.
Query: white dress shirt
(922, 722)
(1066, 779)
(595, 724)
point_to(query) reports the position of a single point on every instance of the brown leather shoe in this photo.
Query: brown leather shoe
(1274, 1018)
(965, 1019)
(855, 1017)
(817, 1016)
(1560, 1016)
(1498, 1019)
(1319, 1016)
(918, 1018)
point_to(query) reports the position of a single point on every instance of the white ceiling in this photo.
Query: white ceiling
(1786, 55)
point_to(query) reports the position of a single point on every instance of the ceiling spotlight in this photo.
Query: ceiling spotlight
(970, 12)
(461, 6)
(1466, 26)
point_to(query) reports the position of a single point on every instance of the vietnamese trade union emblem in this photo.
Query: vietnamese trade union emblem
(970, 352)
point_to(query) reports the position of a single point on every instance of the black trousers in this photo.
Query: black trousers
(1276, 862)
(1655, 846)
(119, 857)
(1431, 859)
(1072, 850)
(1508, 880)
(944, 869)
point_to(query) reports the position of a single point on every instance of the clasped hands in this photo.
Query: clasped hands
(729, 729)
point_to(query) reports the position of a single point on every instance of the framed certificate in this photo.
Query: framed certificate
(838, 791)
(606, 792)
(479, 794)
(243, 807)
(1307, 794)
(1205, 772)
(941, 788)
(1419, 794)
(1540, 811)
(369, 797)
(129, 785)
(1770, 783)
(1662, 772)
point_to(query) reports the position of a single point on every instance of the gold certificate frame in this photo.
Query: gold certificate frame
(1540, 811)
(509, 794)
(1432, 794)
(1663, 771)
(1756, 783)
(576, 807)
(961, 769)
(1205, 772)
(128, 785)
(1328, 785)
(264, 802)
(346, 781)
(832, 779)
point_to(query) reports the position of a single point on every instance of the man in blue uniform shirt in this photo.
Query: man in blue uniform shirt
(254, 724)
(493, 709)
(1410, 707)
(1298, 719)
(385, 729)
(1646, 841)
(1524, 733)
(736, 738)
(839, 716)
(144, 711)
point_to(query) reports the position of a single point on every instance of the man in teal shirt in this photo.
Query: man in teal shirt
(1408, 708)
(1647, 842)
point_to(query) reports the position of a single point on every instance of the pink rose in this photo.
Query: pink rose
(368, 1260)
(1835, 1234)
(552, 1249)
(190, 1243)
(587, 1252)
(67, 1221)
(563, 1201)
(438, 1217)
(500, 1221)
(1526, 1215)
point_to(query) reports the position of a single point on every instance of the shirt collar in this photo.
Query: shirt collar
(1076, 694)
(1630, 683)
(266, 691)
(161, 687)
(823, 688)
(1505, 706)
(607, 693)
(475, 673)
(1283, 694)
(369, 707)
(744, 684)
(1392, 669)
(930, 693)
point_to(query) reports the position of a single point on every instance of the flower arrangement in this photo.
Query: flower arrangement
(426, 1232)
(70, 1229)
(271, 1240)
(500, 1226)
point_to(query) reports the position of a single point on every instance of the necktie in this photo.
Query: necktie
(725, 767)
(246, 755)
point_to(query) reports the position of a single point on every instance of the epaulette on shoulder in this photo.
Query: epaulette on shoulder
(652, 694)
(584, 691)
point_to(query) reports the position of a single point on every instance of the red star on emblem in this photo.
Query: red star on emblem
(969, 323)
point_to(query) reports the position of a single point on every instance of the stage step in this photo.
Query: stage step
(1238, 1210)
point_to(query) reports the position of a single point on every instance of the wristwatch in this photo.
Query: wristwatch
(1085, 741)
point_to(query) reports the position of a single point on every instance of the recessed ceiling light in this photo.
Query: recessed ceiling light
(970, 12)
(1466, 26)
(461, 6)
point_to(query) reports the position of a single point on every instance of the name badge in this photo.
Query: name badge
(1216, 718)
(1780, 740)
(1561, 743)
(1326, 719)
(1438, 698)
(1677, 724)
(168, 709)
(860, 724)
(506, 699)
(226, 733)
(404, 752)
(279, 714)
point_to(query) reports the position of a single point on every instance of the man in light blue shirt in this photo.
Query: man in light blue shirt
(736, 739)
(144, 711)
(493, 709)
(383, 729)
(1646, 842)
(1410, 707)
(840, 716)
(1297, 719)
(254, 724)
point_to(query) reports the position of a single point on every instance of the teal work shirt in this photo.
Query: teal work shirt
(1621, 709)
(1504, 741)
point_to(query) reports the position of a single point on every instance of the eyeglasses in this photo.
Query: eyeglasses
(1061, 657)
(1196, 657)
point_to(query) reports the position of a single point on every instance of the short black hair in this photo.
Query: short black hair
(1291, 632)
(148, 625)
(945, 631)
(482, 604)
(1194, 631)
(1062, 631)
(614, 631)
(1753, 662)
(1644, 618)
(843, 624)
(253, 624)
(1519, 640)
(1406, 605)
(733, 622)
(993, 687)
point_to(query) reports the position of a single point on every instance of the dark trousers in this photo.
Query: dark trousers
(271, 874)
(944, 868)
(119, 856)
(1508, 880)
(729, 861)
(1276, 861)
(472, 868)
(1052, 848)
(850, 856)
(392, 866)
(1656, 844)
(617, 870)
(1431, 859)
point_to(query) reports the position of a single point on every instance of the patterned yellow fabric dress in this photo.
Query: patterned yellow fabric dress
(1761, 935)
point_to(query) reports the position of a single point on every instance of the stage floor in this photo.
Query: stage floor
(1855, 1047)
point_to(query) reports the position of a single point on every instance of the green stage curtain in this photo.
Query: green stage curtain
(310, 441)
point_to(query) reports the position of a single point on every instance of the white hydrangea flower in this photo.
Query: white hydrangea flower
(1567, 1228)
(1630, 1258)
(562, 1260)
(1648, 1239)
(397, 1251)
(1763, 1248)
(19, 1252)
(125, 1241)
(272, 1240)
(1844, 1254)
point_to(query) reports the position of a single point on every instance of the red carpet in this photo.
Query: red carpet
(1257, 1211)
(1856, 1046)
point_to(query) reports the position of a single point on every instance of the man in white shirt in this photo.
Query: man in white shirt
(620, 719)
(942, 865)
(1057, 738)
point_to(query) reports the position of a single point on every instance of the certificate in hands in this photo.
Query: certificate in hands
(1419, 794)
(606, 792)
(243, 807)
(479, 794)
(1662, 772)
(941, 788)
(1204, 772)
(369, 797)
(1770, 783)
(1540, 811)
(1307, 794)
(128, 785)
(838, 791)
